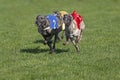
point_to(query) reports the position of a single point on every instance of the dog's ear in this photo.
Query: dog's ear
(55, 12)
(71, 18)
(38, 17)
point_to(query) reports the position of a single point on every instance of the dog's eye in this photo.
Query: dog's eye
(41, 18)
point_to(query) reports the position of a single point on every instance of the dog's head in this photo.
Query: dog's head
(59, 16)
(40, 21)
(42, 24)
(57, 13)
(67, 19)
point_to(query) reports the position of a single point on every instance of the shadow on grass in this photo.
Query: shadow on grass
(42, 41)
(34, 51)
(39, 41)
(37, 51)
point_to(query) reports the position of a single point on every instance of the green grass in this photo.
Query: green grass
(24, 57)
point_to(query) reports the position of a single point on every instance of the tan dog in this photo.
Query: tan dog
(71, 30)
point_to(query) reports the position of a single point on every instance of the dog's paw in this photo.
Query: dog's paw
(52, 51)
(65, 43)
(45, 42)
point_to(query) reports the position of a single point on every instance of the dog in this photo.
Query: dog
(48, 27)
(73, 30)
(61, 14)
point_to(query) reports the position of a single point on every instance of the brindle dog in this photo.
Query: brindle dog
(72, 32)
(44, 29)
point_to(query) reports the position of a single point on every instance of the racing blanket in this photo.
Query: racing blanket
(77, 18)
(63, 13)
(53, 21)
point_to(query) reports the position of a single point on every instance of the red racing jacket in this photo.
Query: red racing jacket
(77, 17)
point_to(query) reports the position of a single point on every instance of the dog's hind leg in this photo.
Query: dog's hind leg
(79, 37)
(63, 33)
(82, 29)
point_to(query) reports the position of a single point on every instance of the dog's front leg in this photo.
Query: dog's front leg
(49, 43)
(67, 38)
(67, 41)
(55, 39)
(75, 44)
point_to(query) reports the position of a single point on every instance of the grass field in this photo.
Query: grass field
(24, 57)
